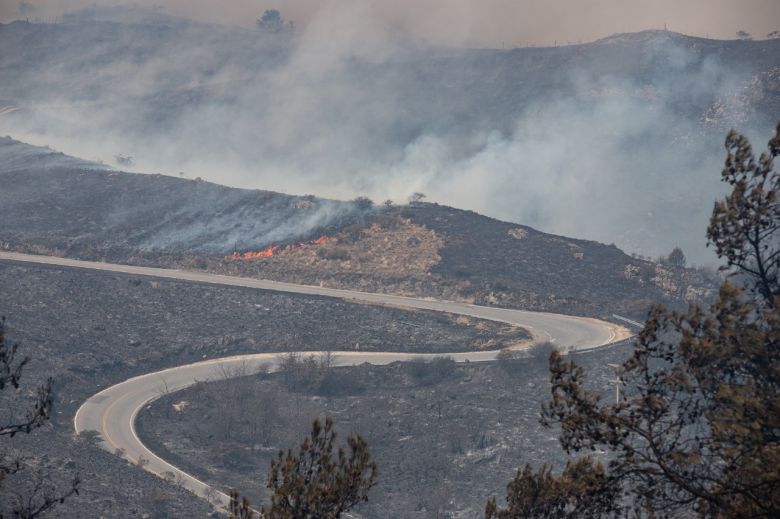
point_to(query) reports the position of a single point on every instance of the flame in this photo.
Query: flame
(273, 249)
(251, 255)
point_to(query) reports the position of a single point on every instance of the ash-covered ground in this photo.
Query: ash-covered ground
(421, 249)
(89, 330)
(445, 436)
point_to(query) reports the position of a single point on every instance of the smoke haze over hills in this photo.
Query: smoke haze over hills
(483, 23)
(619, 140)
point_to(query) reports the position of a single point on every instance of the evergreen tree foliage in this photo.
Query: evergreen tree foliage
(697, 430)
(745, 226)
(580, 491)
(314, 483)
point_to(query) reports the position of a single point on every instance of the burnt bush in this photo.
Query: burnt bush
(333, 254)
(336, 382)
(363, 203)
(316, 375)
(429, 372)
(388, 221)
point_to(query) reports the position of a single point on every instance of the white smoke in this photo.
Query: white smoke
(346, 108)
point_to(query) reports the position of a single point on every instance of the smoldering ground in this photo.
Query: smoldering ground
(618, 141)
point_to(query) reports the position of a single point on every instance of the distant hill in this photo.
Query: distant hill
(16, 155)
(101, 54)
(632, 124)
(420, 249)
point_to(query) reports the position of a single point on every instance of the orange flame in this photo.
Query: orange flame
(251, 255)
(273, 249)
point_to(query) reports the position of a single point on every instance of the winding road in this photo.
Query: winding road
(112, 411)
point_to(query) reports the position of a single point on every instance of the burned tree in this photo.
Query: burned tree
(42, 495)
(676, 258)
(271, 21)
(10, 377)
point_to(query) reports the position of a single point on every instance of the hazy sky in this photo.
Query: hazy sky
(488, 23)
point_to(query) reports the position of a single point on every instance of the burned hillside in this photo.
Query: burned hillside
(89, 330)
(110, 214)
(445, 435)
(421, 249)
(438, 251)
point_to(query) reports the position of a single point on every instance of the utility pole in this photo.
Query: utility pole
(617, 380)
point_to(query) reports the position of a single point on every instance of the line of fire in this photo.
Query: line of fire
(273, 249)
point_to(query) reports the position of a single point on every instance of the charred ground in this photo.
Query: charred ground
(445, 436)
(89, 330)
(421, 249)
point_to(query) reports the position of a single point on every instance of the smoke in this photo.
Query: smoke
(25, 8)
(608, 142)
(260, 223)
(484, 23)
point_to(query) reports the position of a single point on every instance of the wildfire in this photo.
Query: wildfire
(273, 249)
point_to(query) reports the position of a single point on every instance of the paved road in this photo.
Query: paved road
(112, 412)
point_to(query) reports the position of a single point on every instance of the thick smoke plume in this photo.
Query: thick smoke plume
(618, 141)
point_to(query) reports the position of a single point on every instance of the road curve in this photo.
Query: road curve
(112, 411)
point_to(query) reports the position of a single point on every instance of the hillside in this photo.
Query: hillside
(444, 436)
(52, 200)
(444, 252)
(631, 124)
(420, 249)
(89, 330)
(444, 91)
(15, 155)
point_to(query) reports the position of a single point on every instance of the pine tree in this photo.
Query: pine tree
(697, 430)
(314, 484)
